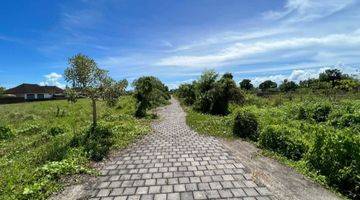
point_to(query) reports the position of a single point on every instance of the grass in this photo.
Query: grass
(25, 156)
(281, 110)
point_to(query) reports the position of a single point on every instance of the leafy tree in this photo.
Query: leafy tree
(288, 86)
(149, 92)
(112, 90)
(331, 75)
(267, 85)
(245, 84)
(87, 78)
(2, 91)
(187, 92)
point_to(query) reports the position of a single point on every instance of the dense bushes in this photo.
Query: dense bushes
(245, 125)
(149, 92)
(53, 131)
(321, 112)
(5, 133)
(210, 94)
(337, 157)
(277, 138)
(97, 142)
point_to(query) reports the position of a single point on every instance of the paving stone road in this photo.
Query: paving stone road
(175, 162)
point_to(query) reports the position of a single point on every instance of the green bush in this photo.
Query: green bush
(276, 138)
(246, 125)
(5, 133)
(53, 131)
(301, 113)
(30, 129)
(337, 157)
(97, 142)
(346, 120)
(321, 112)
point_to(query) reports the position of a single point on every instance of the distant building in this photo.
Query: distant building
(35, 91)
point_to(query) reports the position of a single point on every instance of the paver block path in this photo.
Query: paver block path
(175, 162)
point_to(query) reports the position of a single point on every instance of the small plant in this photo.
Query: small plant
(321, 113)
(301, 113)
(5, 133)
(246, 125)
(346, 120)
(97, 142)
(53, 131)
(276, 138)
(29, 129)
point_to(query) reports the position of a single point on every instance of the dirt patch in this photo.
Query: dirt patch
(283, 181)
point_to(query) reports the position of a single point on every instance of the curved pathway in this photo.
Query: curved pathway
(175, 162)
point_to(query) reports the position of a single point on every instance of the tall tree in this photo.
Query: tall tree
(331, 75)
(245, 84)
(2, 90)
(267, 85)
(288, 86)
(86, 77)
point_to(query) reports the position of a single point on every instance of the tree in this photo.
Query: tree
(149, 92)
(2, 91)
(187, 92)
(287, 86)
(245, 84)
(87, 78)
(331, 75)
(204, 88)
(267, 85)
(112, 90)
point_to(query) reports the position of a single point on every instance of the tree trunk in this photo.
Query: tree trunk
(93, 100)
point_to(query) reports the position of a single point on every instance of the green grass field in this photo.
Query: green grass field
(31, 152)
(341, 131)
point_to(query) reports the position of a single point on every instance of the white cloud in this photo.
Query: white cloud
(298, 75)
(243, 50)
(53, 79)
(307, 10)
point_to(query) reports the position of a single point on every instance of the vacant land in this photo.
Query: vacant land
(316, 133)
(38, 142)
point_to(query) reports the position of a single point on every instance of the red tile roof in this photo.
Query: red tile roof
(34, 88)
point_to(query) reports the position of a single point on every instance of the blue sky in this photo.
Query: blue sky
(177, 40)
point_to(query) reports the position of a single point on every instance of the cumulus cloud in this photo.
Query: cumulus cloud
(298, 75)
(53, 79)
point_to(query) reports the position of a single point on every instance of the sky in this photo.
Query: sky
(177, 40)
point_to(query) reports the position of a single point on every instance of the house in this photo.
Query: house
(35, 91)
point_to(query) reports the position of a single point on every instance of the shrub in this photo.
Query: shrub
(187, 92)
(97, 142)
(5, 133)
(276, 138)
(30, 129)
(246, 125)
(346, 120)
(53, 131)
(321, 112)
(301, 113)
(336, 156)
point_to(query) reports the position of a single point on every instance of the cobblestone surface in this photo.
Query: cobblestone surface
(173, 163)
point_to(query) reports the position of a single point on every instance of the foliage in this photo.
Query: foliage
(112, 90)
(267, 85)
(84, 75)
(321, 112)
(97, 142)
(149, 92)
(336, 156)
(5, 133)
(348, 85)
(2, 91)
(245, 125)
(187, 92)
(32, 147)
(276, 138)
(331, 75)
(54, 131)
(288, 86)
(245, 84)
(213, 96)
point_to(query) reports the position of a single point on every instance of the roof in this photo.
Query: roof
(34, 88)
